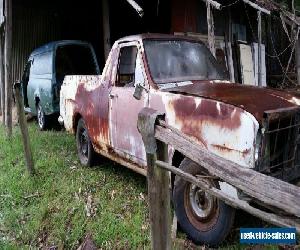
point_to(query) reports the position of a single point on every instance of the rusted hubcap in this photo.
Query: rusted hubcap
(201, 207)
(201, 202)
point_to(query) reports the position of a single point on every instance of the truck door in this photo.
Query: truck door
(124, 108)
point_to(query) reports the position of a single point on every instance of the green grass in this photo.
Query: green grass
(49, 209)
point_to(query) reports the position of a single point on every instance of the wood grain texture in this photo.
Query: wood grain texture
(24, 132)
(231, 201)
(272, 192)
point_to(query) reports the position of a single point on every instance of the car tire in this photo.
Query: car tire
(85, 150)
(204, 218)
(41, 117)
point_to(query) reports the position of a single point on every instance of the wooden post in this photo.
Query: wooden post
(8, 60)
(259, 49)
(210, 28)
(298, 59)
(158, 182)
(24, 129)
(106, 28)
(228, 46)
(0, 96)
(297, 45)
(2, 78)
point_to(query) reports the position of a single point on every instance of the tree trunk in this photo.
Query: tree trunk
(8, 59)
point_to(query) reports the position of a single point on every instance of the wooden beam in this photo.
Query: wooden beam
(106, 28)
(8, 60)
(270, 191)
(138, 8)
(210, 29)
(255, 6)
(291, 17)
(231, 201)
(213, 3)
(259, 64)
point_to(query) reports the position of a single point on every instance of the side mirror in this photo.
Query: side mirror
(138, 90)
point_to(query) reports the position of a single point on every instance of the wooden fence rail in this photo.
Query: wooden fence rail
(280, 196)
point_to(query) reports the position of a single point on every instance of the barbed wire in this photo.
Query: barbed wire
(277, 55)
(255, 38)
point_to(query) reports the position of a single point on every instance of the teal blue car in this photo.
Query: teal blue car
(45, 71)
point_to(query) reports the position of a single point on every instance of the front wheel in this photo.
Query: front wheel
(85, 148)
(204, 218)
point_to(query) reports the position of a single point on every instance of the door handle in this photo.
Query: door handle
(112, 96)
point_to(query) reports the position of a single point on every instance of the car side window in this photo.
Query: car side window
(42, 64)
(127, 67)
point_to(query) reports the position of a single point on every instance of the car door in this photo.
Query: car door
(124, 108)
(40, 82)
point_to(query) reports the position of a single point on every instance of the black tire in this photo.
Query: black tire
(205, 219)
(42, 119)
(85, 150)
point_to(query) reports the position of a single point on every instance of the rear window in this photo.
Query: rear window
(42, 64)
(75, 60)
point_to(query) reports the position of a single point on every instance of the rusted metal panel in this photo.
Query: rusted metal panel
(253, 100)
(82, 95)
(223, 129)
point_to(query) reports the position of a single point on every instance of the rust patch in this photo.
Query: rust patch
(223, 148)
(246, 152)
(252, 99)
(207, 110)
(93, 106)
(228, 150)
(193, 117)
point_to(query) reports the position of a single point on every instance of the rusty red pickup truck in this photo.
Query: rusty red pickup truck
(255, 127)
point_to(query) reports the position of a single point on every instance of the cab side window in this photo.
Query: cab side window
(126, 68)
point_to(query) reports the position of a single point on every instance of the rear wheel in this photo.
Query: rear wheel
(205, 219)
(41, 117)
(85, 148)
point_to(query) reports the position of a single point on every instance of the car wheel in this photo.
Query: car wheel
(85, 148)
(204, 218)
(41, 117)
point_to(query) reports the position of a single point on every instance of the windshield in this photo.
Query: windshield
(180, 60)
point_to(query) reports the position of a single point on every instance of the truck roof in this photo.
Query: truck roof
(141, 37)
(50, 46)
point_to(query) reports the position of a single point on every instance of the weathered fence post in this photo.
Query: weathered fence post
(24, 129)
(8, 60)
(158, 181)
(2, 78)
